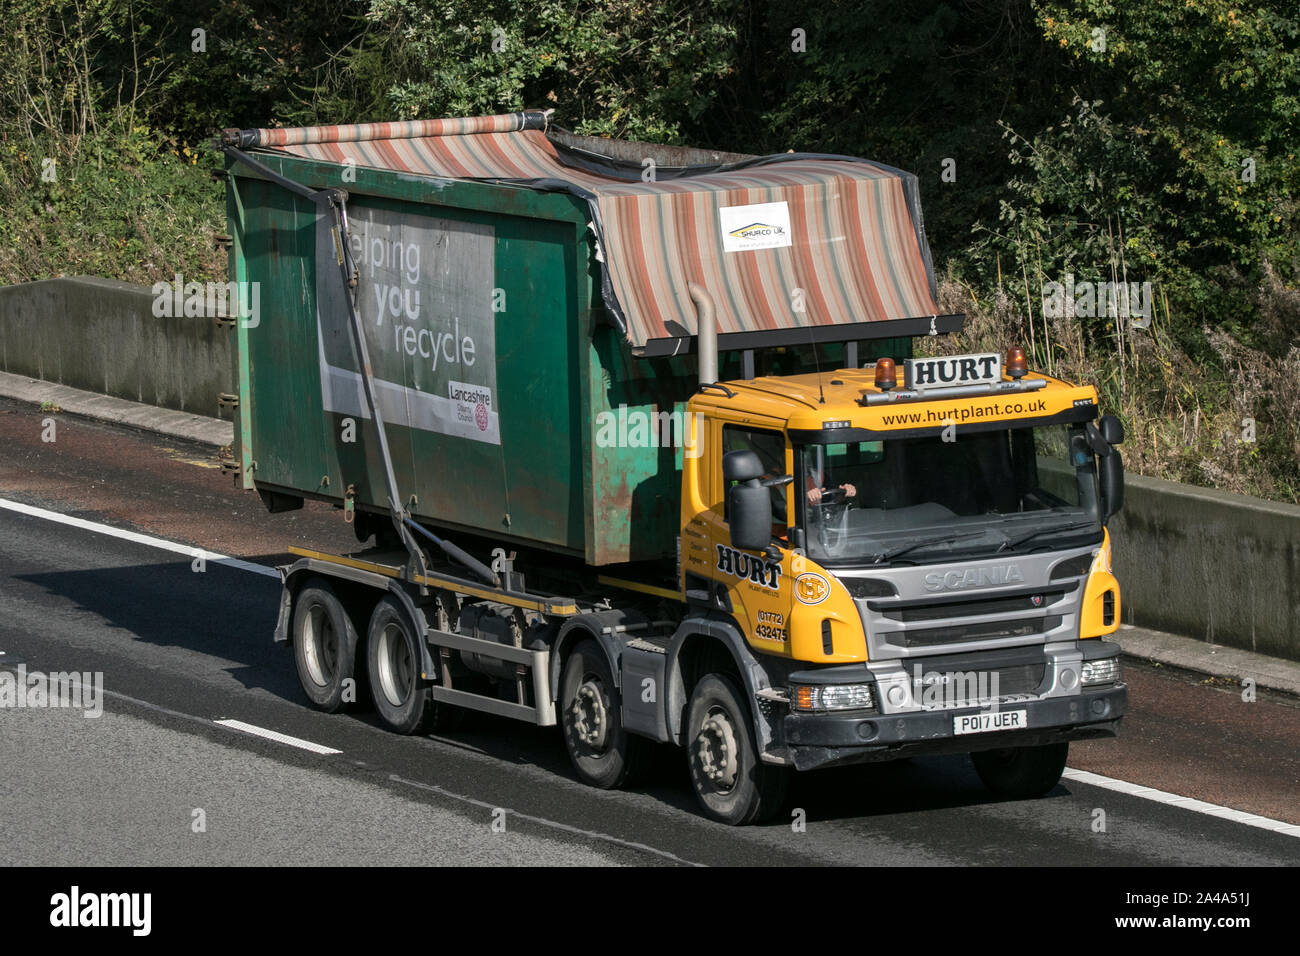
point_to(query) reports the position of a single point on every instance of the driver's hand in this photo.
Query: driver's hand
(814, 495)
(850, 490)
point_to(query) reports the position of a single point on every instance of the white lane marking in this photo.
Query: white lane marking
(1184, 803)
(554, 824)
(185, 549)
(277, 736)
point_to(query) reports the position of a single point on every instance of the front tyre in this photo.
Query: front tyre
(732, 784)
(602, 752)
(1020, 773)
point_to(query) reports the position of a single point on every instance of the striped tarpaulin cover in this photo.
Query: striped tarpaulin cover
(854, 253)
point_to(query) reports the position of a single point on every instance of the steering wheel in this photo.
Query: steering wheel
(833, 528)
(833, 496)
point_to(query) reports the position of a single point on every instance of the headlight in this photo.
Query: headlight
(809, 697)
(1104, 671)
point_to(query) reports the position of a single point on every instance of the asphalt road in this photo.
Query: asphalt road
(180, 649)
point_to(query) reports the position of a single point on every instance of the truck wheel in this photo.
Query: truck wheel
(732, 784)
(602, 752)
(1021, 772)
(324, 647)
(402, 698)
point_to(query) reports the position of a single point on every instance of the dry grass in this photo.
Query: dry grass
(1186, 420)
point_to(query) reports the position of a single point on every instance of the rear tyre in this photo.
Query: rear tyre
(601, 751)
(1020, 773)
(732, 784)
(324, 647)
(402, 698)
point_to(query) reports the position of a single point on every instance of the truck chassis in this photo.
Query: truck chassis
(430, 644)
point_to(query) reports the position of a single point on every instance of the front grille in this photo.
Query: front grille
(1021, 679)
(1016, 680)
(932, 611)
(956, 633)
(924, 622)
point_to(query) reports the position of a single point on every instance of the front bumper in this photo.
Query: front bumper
(824, 740)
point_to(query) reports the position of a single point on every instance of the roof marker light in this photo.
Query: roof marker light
(886, 378)
(1017, 365)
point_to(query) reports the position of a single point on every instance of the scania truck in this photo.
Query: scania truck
(635, 443)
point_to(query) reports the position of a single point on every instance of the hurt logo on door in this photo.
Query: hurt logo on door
(749, 567)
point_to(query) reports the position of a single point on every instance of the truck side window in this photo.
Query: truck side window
(770, 448)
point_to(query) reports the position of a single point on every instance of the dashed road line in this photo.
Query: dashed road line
(278, 737)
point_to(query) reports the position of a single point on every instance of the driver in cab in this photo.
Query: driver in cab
(818, 477)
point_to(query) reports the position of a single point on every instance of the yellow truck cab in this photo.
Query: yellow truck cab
(917, 556)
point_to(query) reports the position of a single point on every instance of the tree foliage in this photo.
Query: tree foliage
(609, 67)
(1149, 140)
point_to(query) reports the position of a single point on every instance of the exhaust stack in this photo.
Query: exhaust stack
(706, 333)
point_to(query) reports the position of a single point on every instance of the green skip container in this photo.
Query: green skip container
(529, 329)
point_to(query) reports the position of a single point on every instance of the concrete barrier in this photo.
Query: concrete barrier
(101, 335)
(1208, 564)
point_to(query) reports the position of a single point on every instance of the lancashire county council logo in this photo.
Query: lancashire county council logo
(481, 416)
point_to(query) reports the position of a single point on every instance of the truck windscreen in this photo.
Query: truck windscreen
(926, 500)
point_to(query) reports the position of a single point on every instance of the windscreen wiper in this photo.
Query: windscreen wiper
(1012, 543)
(941, 539)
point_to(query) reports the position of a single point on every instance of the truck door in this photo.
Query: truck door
(758, 589)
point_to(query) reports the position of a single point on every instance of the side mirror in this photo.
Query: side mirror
(1112, 429)
(741, 465)
(749, 503)
(749, 512)
(1112, 483)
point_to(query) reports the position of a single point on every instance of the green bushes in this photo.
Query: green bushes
(120, 204)
(1228, 420)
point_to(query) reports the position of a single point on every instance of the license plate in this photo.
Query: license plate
(986, 723)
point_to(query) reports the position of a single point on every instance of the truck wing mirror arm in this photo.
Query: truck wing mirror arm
(1097, 444)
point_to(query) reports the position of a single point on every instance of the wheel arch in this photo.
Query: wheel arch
(704, 644)
(601, 626)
